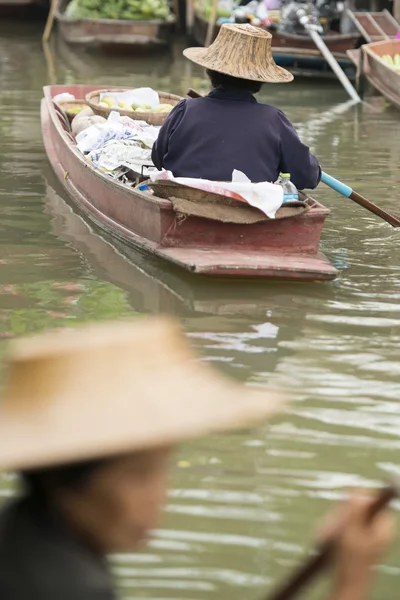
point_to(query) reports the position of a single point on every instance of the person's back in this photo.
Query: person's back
(210, 137)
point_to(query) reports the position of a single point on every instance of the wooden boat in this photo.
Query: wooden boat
(379, 29)
(273, 249)
(382, 77)
(111, 33)
(297, 53)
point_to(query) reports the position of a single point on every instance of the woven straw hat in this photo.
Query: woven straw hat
(107, 389)
(241, 51)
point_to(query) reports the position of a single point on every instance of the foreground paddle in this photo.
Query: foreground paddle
(347, 192)
(315, 564)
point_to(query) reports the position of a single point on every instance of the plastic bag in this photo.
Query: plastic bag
(149, 135)
(117, 153)
(64, 97)
(79, 125)
(115, 128)
(265, 196)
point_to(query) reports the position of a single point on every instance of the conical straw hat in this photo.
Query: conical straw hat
(107, 389)
(241, 51)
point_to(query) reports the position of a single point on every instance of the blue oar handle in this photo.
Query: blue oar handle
(336, 185)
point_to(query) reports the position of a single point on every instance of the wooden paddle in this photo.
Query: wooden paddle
(315, 564)
(211, 23)
(333, 63)
(347, 192)
(50, 21)
(193, 94)
(327, 54)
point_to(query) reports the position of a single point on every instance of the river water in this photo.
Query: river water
(242, 508)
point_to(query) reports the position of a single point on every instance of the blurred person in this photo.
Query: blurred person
(89, 419)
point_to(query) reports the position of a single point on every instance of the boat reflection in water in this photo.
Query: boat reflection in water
(237, 324)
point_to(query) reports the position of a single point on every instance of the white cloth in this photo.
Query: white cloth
(265, 196)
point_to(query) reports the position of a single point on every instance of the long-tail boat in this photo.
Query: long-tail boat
(295, 52)
(284, 248)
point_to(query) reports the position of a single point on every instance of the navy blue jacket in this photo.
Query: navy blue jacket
(210, 137)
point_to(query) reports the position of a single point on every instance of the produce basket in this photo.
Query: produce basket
(152, 118)
(71, 108)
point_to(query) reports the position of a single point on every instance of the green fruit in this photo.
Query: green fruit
(109, 101)
(75, 109)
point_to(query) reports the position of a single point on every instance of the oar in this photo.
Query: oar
(330, 59)
(50, 21)
(211, 23)
(193, 94)
(347, 192)
(317, 563)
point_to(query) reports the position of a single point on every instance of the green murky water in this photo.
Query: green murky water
(241, 507)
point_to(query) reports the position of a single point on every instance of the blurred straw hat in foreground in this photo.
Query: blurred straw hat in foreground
(107, 389)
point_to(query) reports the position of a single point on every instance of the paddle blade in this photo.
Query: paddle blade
(347, 192)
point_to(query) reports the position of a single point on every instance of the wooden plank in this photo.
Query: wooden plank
(375, 26)
(391, 24)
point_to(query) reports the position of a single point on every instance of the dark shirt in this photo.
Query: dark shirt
(39, 560)
(210, 137)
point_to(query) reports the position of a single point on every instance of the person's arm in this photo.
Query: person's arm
(160, 147)
(296, 157)
(359, 545)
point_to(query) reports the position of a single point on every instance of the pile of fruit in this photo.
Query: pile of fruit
(108, 102)
(130, 10)
(75, 110)
(392, 61)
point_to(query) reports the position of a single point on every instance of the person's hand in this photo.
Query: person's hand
(359, 545)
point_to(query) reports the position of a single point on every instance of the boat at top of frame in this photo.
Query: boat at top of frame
(113, 34)
(295, 52)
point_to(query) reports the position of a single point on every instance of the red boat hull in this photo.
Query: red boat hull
(285, 248)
